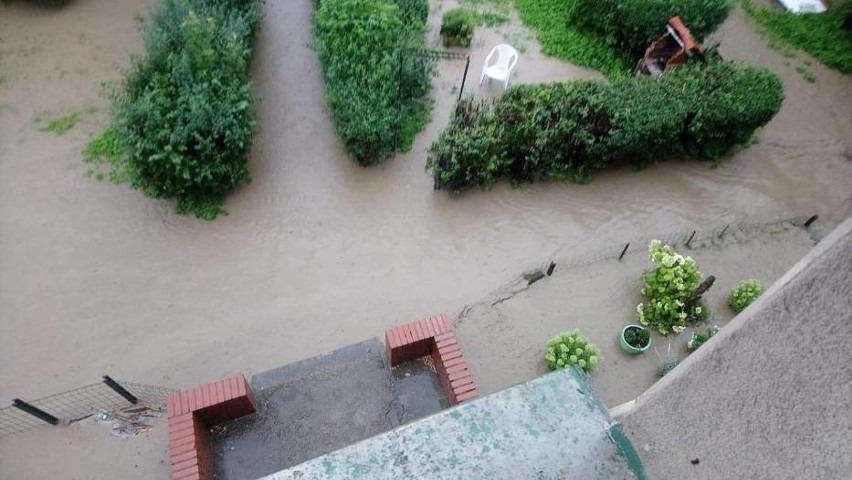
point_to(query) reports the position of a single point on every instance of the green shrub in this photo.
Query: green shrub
(667, 365)
(572, 348)
(668, 288)
(745, 293)
(565, 131)
(457, 27)
(633, 24)
(414, 10)
(184, 115)
(375, 81)
(700, 337)
(562, 39)
(827, 36)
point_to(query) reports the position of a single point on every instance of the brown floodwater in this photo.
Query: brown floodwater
(318, 252)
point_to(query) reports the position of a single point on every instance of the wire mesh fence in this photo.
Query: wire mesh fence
(413, 85)
(722, 235)
(77, 404)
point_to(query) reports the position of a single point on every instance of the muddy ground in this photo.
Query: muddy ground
(316, 252)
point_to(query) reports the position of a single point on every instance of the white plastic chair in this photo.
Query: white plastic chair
(501, 68)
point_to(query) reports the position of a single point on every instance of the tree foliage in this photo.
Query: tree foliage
(184, 115)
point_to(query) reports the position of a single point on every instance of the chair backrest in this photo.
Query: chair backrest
(506, 54)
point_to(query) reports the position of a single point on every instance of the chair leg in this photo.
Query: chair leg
(482, 78)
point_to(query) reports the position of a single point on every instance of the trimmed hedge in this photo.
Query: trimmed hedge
(185, 114)
(375, 84)
(565, 131)
(634, 24)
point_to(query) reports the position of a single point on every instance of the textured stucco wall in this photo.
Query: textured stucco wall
(770, 396)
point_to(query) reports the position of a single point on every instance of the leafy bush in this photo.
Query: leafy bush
(745, 293)
(633, 24)
(565, 131)
(700, 337)
(667, 365)
(375, 82)
(414, 10)
(827, 36)
(637, 337)
(562, 39)
(572, 348)
(668, 288)
(184, 117)
(457, 27)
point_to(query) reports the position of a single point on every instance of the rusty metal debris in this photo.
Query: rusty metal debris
(673, 48)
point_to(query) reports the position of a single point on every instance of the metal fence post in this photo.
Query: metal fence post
(120, 390)
(35, 411)
(623, 252)
(464, 77)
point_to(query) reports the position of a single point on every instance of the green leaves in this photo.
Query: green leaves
(823, 35)
(566, 131)
(184, 118)
(457, 27)
(564, 39)
(375, 82)
(572, 348)
(745, 293)
(631, 25)
(668, 288)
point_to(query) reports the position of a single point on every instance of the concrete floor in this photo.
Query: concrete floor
(322, 404)
(552, 427)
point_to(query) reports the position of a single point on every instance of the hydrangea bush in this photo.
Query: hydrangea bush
(745, 293)
(668, 287)
(572, 348)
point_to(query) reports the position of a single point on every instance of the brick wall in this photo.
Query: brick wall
(433, 336)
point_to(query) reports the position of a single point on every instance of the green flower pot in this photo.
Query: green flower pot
(630, 348)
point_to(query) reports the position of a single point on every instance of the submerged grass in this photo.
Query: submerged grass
(820, 34)
(61, 125)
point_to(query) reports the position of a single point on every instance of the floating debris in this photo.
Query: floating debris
(130, 421)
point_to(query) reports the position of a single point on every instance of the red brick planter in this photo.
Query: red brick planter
(433, 336)
(191, 414)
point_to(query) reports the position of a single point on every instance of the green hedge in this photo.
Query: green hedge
(378, 104)
(185, 113)
(634, 24)
(565, 131)
(414, 9)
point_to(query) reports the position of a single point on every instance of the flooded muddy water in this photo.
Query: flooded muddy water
(317, 252)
